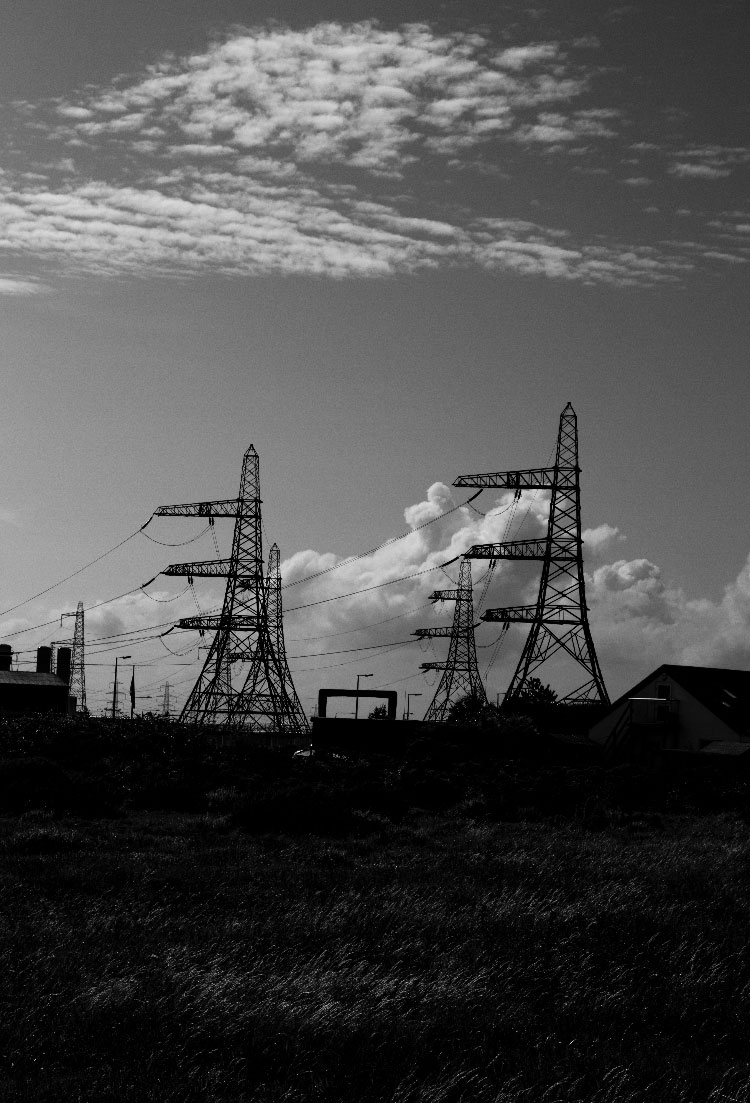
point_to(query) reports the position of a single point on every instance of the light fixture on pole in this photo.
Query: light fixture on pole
(408, 703)
(114, 691)
(356, 699)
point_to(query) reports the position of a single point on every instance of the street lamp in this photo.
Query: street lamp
(356, 699)
(114, 692)
(408, 703)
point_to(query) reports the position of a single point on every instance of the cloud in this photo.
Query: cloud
(12, 285)
(366, 607)
(596, 540)
(639, 621)
(699, 171)
(307, 152)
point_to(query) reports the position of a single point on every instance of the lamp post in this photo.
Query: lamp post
(114, 692)
(408, 703)
(356, 699)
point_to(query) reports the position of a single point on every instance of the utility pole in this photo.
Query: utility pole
(114, 691)
(356, 699)
(243, 631)
(559, 620)
(460, 677)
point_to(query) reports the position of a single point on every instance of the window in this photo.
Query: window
(664, 692)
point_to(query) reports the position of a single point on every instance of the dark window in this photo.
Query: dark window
(664, 693)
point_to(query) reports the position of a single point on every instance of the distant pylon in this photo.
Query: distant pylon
(559, 620)
(77, 686)
(460, 677)
(165, 701)
(243, 631)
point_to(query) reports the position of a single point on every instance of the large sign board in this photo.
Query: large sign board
(390, 696)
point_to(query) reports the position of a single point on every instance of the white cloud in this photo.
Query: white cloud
(700, 171)
(13, 285)
(306, 152)
(596, 540)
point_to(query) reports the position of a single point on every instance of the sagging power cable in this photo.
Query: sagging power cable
(67, 578)
(385, 543)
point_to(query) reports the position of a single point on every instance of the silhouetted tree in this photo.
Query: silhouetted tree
(534, 692)
(473, 711)
(380, 712)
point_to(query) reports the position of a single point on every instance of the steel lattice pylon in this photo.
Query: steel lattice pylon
(77, 685)
(460, 677)
(559, 620)
(244, 631)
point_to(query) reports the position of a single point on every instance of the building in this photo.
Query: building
(686, 708)
(33, 691)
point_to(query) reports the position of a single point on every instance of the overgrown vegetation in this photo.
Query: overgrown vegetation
(186, 923)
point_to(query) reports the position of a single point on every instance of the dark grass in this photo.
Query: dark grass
(184, 922)
(441, 958)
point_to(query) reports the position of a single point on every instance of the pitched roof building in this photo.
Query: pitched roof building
(678, 707)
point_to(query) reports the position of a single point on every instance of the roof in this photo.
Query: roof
(725, 693)
(30, 678)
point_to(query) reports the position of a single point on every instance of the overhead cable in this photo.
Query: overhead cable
(67, 578)
(385, 543)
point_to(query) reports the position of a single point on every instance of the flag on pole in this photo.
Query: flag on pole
(132, 691)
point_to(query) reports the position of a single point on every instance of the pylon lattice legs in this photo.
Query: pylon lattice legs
(460, 673)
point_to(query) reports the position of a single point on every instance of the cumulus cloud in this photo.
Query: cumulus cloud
(596, 540)
(342, 611)
(639, 620)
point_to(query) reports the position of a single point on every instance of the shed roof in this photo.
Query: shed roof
(30, 678)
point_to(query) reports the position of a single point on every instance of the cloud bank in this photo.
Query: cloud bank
(638, 619)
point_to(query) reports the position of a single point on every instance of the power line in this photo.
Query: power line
(378, 547)
(67, 578)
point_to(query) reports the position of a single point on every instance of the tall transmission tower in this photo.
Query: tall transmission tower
(559, 620)
(243, 631)
(77, 664)
(460, 677)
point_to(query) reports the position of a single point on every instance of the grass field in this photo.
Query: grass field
(444, 957)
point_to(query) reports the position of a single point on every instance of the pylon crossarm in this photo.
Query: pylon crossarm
(445, 595)
(233, 622)
(206, 568)
(522, 549)
(443, 631)
(529, 614)
(433, 666)
(535, 478)
(226, 507)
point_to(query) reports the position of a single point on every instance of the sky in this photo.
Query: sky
(386, 253)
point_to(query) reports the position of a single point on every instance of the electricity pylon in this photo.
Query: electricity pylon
(77, 661)
(243, 630)
(460, 677)
(559, 620)
(165, 701)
